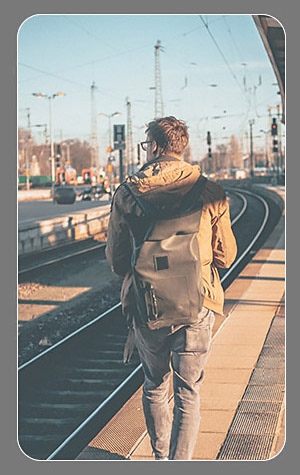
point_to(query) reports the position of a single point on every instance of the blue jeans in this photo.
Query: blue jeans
(185, 350)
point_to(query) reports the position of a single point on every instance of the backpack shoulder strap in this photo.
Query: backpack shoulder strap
(188, 200)
(147, 208)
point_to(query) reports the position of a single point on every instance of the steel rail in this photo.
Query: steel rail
(99, 317)
(254, 240)
(139, 367)
(62, 258)
(102, 245)
(243, 210)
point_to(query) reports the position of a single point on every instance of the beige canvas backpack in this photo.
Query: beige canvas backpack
(166, 265)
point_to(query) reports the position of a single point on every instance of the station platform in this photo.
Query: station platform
(243, 392)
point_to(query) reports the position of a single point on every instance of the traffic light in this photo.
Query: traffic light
(208, 138)
(209, 153)
(274, 127)
(58, 149)
(275, 145)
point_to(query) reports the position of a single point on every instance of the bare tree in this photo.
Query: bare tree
(79, 154)
(187, 154)
(235, 152)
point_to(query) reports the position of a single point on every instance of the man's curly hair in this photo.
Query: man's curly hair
(169, 133)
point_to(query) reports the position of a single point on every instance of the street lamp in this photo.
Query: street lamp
(50, 97)
(109, 116)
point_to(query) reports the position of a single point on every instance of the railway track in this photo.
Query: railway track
(42, 260)
(70, 391)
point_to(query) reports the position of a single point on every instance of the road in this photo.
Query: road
(30, 211)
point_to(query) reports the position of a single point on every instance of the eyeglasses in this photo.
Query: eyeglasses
(144, 144)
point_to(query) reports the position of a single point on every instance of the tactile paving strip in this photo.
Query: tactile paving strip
(252, 431)
(266, 375)
(272, 392)
(255, 423)
(259, 406)
(246, 447)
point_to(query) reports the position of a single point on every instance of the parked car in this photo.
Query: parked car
(93, 193)
(64, 195)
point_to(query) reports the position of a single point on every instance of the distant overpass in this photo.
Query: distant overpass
(273, 37)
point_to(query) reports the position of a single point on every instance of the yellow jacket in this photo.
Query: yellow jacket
(162, 182)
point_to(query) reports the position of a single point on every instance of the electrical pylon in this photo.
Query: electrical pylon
(94, 137)
(158, 102)
(129, 142)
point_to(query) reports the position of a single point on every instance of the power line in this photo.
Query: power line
(47, 73)
(232, 38)
(97, 60)
(53, 75)
(224, 58)
(88, 32)
(88, 63)
(237, 49)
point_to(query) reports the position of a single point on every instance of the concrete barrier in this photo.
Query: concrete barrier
(45, 234)
(34, 195)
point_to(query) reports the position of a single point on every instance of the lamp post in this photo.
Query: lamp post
(50, 97)
(110, 147)
(109, 116)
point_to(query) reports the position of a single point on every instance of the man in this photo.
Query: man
(163, 181)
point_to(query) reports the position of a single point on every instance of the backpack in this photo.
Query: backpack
(166, 265)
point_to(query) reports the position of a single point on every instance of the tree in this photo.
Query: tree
(187, 154)
(80, 155)
(222, 157)
(235, 153)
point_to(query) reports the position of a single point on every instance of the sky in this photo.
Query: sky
(215, 75)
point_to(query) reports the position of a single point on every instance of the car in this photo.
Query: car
(64, 195)
(93, 193)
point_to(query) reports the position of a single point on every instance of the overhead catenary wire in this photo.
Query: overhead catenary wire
(223, 56)
(88, 32)
(204, 25)
(105, 58)
(232, 39)
(47, 73)
(85, 86)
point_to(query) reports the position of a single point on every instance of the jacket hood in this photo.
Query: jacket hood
(164, 181)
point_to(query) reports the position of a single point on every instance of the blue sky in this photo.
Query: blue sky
(66, 53)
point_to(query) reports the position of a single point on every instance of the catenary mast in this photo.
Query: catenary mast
(129, 144)
(158, 102)
(94, 138)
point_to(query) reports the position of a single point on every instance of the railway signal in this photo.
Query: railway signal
(119, 144)
(274, 127)
(209, 144)
(58, 155)
(57, 161)
(208, 138)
